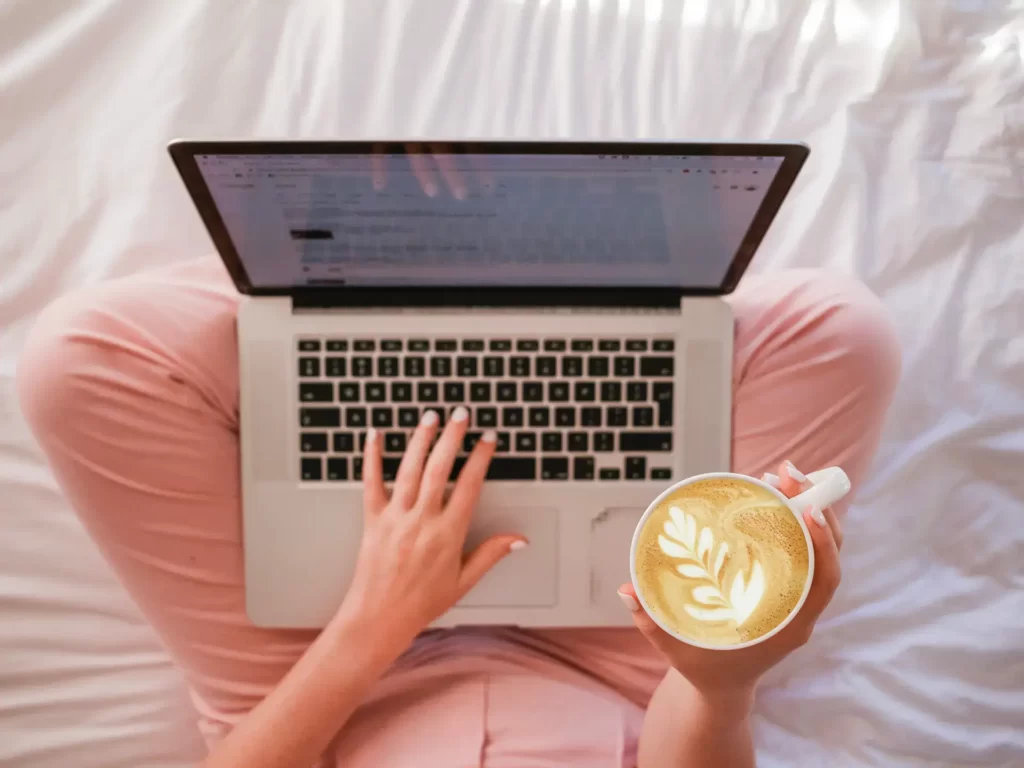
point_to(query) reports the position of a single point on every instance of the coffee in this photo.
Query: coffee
(722, 561)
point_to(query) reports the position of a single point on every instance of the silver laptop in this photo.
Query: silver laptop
(568, 294)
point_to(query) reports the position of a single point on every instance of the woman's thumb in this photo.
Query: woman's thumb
(486, 556)
(658, 637)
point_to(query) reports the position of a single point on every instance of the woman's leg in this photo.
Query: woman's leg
(815, 366)
(131, 388)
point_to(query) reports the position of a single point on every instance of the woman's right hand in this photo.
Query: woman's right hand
(411, 568)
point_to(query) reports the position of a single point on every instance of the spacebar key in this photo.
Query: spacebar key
(645, 441)
(505, 468)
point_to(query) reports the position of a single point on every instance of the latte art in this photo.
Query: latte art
(722, 561)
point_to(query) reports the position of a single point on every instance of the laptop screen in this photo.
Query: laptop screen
(508, 218)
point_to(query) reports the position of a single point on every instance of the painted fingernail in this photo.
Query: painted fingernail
(772, 480)
(371, 435)
(516, 545)
(629, 601)
(490, 436)
(460, 414)
(429, 418)
(818, 516)
(795, 473)
(430, 188)
(459, 193)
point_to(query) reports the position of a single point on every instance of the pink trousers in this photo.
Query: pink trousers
(131, 388)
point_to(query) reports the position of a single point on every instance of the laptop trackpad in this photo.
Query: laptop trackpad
(528, 577)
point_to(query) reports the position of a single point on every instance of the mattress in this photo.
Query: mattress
(915, 114)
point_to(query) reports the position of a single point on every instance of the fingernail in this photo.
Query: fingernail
(371, 435)
(516, 545)
(818, 516)
(460, 414)
(772, 480)
(460, 193)
(629, 601)
(490, 436)
(430, 189)
(429, 418)
(795, 473)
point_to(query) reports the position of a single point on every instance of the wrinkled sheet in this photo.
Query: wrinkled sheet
(915, 113)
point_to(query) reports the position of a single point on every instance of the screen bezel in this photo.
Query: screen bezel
(183, 152)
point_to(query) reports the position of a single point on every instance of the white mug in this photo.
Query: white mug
(829, 486)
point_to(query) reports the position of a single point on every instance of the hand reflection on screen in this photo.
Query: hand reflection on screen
(438, 170)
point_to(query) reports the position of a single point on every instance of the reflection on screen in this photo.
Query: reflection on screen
(491, 220)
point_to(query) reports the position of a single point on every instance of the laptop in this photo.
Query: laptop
(568, 294)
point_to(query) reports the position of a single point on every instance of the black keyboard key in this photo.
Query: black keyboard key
(609, 473)
(440, 416)
(337, 345)
(558, 392)
(487, 417)
(527, 345)
(636, 345)
(419, 345)
(584, 392)
(336, 367)
(394, 442)
(554, 468)
(519, 366)
(636, 391)
(500, 345)
(313, 442)
(362, 442)
(604, 441)
(494, 366)
(401, 392)
(362, 367)
(547, 366)
(382, 417)
(472, 345)
(579, 442)
(554, 345)
(645, 442)
(357, 468)
(590, 417)
(389, 468)
(445, 345)
(466, 366)
(309, 345)
(540, 417)
(454, 392)
(364, 345)
(660, 473)
(309, 366)
(348, 392)
(636, 468)
(507, 392)
(625, 366)
(512, 417)
(480, 392)
(426, 391)
(617, 416)
(611, 391)
(609, 345)
(565, 417)
(440, 367)
(582, 345)
(572, 366)
(376, 392)
(663, 345)
(533, 392)
(355, 417)
(312, 468)
(344, 442)
(470, 439)
(526, 442)
(643, 417)
(321, 392)
(320, 417)
(414, 367)
(597, 366)
(550, 442)
(408, 417)
(512, 468)
(391, 345)
(662, 391)
(504, 443)
(657, 366)
(337, 468)
(583, 468)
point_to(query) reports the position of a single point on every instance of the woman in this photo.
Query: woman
(131, 388)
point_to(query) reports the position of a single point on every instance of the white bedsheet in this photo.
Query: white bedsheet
(915, 113)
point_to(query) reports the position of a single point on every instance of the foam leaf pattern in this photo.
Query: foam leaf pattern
(706, 562)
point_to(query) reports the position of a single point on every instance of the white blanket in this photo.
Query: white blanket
(916, 184)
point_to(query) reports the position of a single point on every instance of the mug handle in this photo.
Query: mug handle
(829, 486)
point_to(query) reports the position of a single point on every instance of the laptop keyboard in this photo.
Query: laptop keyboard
(581, 409)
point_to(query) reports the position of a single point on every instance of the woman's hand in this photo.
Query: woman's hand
(736, 673)
(411, 568)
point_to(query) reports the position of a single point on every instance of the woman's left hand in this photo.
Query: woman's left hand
(737, 672)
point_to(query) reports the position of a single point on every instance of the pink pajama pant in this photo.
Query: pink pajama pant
(131, 388)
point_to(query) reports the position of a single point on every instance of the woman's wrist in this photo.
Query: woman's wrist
(732, 702)
(375, 640)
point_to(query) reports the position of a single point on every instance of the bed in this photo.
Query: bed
(915, 113)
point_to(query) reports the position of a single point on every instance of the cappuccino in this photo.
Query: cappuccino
(722, 561)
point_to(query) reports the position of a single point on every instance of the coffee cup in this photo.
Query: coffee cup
(724, 561)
